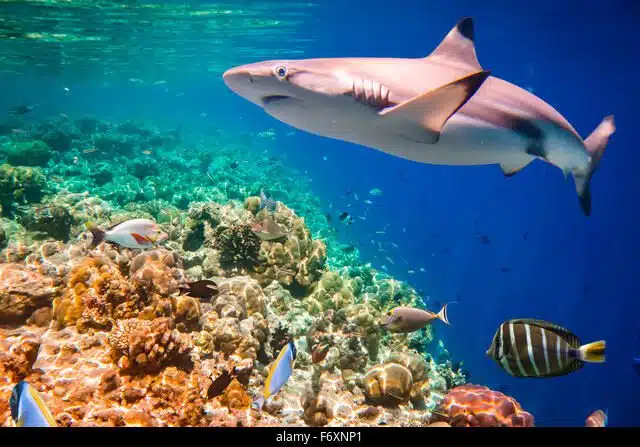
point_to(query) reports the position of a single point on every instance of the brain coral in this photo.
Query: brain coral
(157, 271)
(388, 384)
(478, 406)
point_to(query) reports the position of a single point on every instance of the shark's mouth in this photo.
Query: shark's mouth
(266, 100)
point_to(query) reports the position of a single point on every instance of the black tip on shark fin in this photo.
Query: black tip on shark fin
(458, 46)
(585, 200)
(465, 28)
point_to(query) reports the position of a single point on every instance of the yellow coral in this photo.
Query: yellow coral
(95, 294)
(235, 396)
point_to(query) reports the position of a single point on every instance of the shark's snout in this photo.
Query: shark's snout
(237, 78)
(255, 83)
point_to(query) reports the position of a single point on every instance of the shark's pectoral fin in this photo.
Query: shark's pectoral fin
(422, 118)
(458, 46)
(511, 169)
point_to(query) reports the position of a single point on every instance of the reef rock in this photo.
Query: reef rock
(22, 291)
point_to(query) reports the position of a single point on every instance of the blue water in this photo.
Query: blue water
(576, 271)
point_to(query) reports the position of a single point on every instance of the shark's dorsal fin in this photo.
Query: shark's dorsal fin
(421, 118)
(458, 46)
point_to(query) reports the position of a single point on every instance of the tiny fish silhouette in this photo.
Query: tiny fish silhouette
(218, 386)
(200, 289)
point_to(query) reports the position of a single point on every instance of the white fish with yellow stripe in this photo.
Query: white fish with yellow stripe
(279, 372)
(28, 409)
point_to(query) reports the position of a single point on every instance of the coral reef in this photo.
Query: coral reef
(19, 186)
(28, 153)
(147, 346)
(110, 336)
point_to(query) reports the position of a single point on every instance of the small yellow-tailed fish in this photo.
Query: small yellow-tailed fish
(279, 373)
(28, 409)
(410, 319)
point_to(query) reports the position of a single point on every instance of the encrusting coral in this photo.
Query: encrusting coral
(478, 406)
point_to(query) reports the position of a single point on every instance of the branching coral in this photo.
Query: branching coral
(238, 246)
(148, 346)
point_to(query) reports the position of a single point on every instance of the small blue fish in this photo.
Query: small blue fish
(279, 373)
(28, 409)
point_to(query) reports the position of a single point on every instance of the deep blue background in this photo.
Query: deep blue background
(581, 57)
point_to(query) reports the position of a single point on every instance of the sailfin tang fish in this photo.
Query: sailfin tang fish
(537, 349)
(279, 372)
(28, 409)
(410, 319)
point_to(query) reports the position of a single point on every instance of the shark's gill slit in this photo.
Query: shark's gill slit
(371, 93)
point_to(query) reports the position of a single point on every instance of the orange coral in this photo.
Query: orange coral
(96, 293)
(16, 361)
(157, 271)
(235, 396)
(478, 406)
(141, 345)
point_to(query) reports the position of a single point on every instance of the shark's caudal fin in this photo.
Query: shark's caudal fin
(458, 47)
(595, 144)
(422, 118)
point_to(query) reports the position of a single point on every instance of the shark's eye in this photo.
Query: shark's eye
(281, 71)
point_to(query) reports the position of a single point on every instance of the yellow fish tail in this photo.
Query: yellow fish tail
(593, 352)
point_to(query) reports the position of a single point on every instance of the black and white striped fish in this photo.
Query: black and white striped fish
(535, 348)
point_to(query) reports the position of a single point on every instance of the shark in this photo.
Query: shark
(443, 109)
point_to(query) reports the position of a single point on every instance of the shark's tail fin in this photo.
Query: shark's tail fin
(595, 144)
